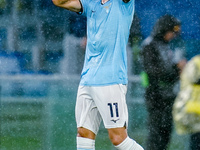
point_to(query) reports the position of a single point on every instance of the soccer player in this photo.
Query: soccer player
(102, 90)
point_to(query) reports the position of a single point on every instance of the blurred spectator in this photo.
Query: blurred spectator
(135, 30)
(186, 110)
(163, 72)
(135, 39)
(74, 45)
(77, 25)
(186, 10)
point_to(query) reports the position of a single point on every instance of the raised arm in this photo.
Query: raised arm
(72, 5)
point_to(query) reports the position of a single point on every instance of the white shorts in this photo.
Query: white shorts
(102, 102)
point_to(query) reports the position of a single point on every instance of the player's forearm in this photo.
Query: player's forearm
(72, 5)
(59, 2)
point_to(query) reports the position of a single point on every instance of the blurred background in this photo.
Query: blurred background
(41, 56)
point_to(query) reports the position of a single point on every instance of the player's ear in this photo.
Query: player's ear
(126, 1)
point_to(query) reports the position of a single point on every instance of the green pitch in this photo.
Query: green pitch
(41, 123)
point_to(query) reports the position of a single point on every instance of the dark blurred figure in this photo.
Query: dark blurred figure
(163, 72)
(74, 45)
(135, 39)
(77, 25)
(186, 110)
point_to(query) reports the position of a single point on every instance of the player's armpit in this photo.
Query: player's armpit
(126, 1)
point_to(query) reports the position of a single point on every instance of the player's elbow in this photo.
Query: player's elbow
(57, 2)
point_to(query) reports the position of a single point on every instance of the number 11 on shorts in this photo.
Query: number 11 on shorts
(115, 105)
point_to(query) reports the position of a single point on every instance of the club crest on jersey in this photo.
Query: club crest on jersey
(107, 8)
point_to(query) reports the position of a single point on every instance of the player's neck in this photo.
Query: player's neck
(104, 1)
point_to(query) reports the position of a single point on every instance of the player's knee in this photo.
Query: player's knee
(83, 132)
(116, 139)
(117, 135)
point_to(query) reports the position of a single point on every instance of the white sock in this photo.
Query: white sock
(85, 143)
(129, 144)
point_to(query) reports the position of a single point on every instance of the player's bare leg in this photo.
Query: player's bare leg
(121, 141)
(117, 135)
(85, 133)
(85, 139)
